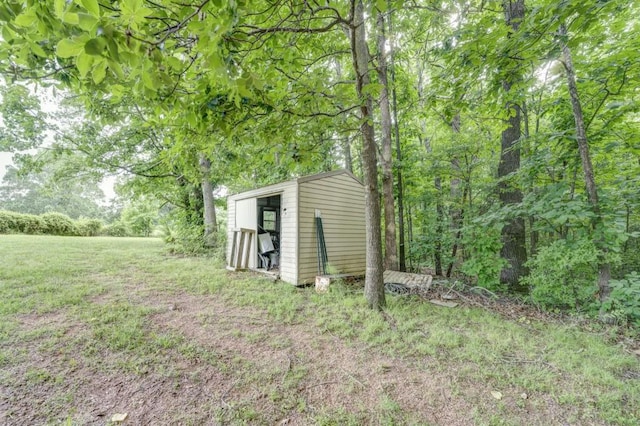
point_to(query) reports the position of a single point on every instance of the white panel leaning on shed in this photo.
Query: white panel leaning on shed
(286, 211)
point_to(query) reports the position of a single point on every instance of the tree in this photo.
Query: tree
(513, 233)
(374, 288)
(24, 124)
(52, 188)
(390, 252)
(604, 268)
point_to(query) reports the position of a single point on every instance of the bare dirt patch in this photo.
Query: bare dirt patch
(237, 365)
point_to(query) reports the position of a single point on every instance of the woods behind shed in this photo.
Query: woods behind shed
(287, 210)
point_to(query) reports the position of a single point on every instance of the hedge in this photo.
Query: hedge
(47, 223)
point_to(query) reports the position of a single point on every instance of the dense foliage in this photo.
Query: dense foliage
(181, 95)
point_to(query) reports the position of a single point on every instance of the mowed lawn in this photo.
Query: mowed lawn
(95, 330)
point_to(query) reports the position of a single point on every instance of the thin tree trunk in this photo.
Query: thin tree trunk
(209, 211)
(604, 268)
(346, 150)
(457, 214)
(396, 126)
(533, 234)
(437, 254)
(390, 252)
(410, 234)
(437, 183)
(345, 143)
(513, 233)
(373, 286)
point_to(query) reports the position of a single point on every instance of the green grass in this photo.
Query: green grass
(83, 299)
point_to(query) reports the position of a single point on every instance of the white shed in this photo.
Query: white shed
(283, 224)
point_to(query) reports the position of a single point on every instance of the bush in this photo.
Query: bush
(59, 224)
(184, 239)
(484, 263)
(48, 223)
(31, 224)
(9, 222)
(624, 300)
(89, 227)
(564, 274)
(116, 229)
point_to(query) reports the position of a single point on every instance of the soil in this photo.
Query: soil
(262, 372)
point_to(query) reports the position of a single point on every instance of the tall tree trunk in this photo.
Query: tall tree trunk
(440, 225)
(604, 268)
(373, 285)
(457, 213)
(533, 234)
(391, 252)
(437, 183)
(410, 234)
(396, 126)
(209, 214)
(513, 234)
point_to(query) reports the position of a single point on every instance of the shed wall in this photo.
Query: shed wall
(340, 198)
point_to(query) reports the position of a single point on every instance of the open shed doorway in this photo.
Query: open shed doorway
(269, 232)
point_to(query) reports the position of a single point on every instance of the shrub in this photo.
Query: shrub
(9, 222)
(624, 300)
(89, 227)
(563, 274)
(31, 224)
(116, 229)
(58, 224)
(484, 261)
(184, 239)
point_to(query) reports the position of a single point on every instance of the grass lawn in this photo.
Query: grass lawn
(95, 327)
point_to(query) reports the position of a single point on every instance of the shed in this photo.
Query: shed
(281, 224)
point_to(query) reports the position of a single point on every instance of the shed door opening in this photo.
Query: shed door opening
(269, 232)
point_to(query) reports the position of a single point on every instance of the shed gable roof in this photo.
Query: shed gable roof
(281, 185)
(328, 174)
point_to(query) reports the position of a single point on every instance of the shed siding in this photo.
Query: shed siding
(340, 198)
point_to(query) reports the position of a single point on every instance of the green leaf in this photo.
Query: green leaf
(92, 6)
(95, 46)
(58, 7)
(38, 50)
(84, 63)
(192, 119)
(99, 71)
(70, 18)
(117, 69)
(87, 22)
(117, 92)
(7, 34)
(67, 48)
(149, 81)
(26, 19)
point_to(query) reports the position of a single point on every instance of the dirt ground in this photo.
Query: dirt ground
(252, 370)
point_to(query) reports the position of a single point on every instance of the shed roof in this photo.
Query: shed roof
(309, 178)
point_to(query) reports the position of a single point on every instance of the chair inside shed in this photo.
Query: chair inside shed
(269, 232)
